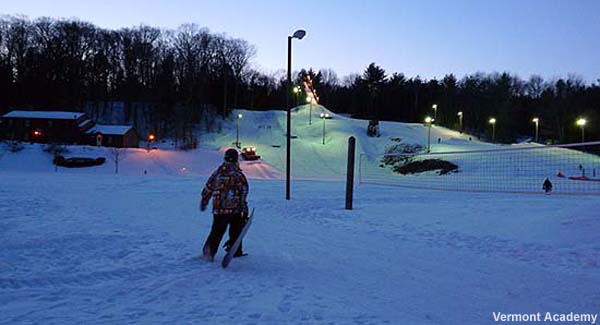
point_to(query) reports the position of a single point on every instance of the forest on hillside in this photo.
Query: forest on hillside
(190, 74)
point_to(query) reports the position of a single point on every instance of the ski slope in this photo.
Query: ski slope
(311, 159)
(263, 130)
(487, 167)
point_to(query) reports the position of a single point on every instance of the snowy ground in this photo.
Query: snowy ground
(82, 248)
(89, 246)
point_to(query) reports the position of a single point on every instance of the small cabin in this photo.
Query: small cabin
(119, 136)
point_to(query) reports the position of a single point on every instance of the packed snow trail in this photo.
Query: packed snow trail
(123, 249)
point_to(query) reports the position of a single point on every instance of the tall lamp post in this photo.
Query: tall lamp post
(537, 128)
(581, 123)
(324, 117)
(460, 122)
(434, 112)
(151, 138)
(493, 123)
(428, 122)
(299, 34)
(309, 100)
(237, 135)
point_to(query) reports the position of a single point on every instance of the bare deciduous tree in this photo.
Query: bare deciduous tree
(117, 155)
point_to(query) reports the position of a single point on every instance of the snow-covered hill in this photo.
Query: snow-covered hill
(88, 246)
(523, 171)
(311, 159)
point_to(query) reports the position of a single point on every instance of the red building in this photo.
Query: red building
(64, 127)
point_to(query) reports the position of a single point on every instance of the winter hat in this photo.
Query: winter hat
(231, 155)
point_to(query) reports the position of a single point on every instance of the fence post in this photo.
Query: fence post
(350, 172)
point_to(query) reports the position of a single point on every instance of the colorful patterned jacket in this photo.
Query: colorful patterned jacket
(228, 188)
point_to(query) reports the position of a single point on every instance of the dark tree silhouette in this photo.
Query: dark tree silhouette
(168, 81)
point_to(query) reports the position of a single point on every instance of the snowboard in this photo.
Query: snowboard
(229, 256)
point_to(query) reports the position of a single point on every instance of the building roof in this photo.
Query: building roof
(110, 129)
(51, 115)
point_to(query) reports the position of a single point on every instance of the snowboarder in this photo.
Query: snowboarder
(228, 187)
(547, 187)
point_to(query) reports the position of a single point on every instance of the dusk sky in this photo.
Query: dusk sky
(425, 38)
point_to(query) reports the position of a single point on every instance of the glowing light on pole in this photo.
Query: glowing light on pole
(324, 117)
(428, 122)
(493, 123)
(151, 138)
(237, 136)
(297, 91)
(434, 112)
(537, 128)
(299, 34)
(581, 123)
(460, 122)
(309, 100)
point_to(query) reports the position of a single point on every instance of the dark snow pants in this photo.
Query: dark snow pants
(220, 223)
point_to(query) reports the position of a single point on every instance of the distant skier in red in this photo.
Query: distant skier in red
(228, 187)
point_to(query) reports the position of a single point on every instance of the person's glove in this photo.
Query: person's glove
(245, 212)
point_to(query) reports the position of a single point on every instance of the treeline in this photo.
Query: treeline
(190, 75)
(187, 73)
(514, 102)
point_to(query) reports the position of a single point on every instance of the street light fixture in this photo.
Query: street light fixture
(434, 111)
(428, 122)
(460, 121)
(237, 136)
(537, 128)
(493, 123)
(299, 34)
(309, 100)
(297, 91)
(324, 117)
(151, 138)
(581, 123)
